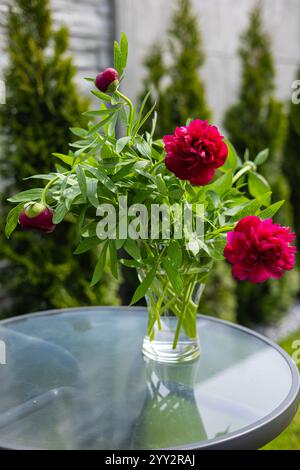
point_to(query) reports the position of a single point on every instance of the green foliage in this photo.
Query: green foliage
(101, 168)
(42, 103)
(290, 438)
(180, 95)
(255, 122)
(291, 159)
(183, 96)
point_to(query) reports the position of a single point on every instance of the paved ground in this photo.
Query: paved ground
(288, 325)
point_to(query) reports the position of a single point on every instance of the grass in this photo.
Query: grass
(290, 438)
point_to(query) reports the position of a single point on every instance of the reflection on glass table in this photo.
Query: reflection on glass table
(76, 379)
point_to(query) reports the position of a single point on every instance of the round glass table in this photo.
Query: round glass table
(76, 379)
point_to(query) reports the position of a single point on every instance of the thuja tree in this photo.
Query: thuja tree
(177, 87)
(258, 121)
(42, 103)
(180, 94)
(291, 155)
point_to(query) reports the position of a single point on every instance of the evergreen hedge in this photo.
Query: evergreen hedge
(258, 121)
(42, 103)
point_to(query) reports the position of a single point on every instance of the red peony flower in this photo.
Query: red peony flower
(195, 151)
(259, 250)
(37, 217)
(106, 78)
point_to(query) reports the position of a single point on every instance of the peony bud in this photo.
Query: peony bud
(108, 80)
(36, 216)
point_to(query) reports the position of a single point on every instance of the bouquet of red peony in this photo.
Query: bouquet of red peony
(169, 208)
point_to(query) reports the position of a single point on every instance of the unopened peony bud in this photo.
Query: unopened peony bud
(36, 216)
(108, 80)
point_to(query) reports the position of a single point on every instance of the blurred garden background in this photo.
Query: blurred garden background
(233, 63)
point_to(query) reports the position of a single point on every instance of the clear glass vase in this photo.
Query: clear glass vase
(172, 335)
(170, 415)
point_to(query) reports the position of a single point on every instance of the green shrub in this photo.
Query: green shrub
(255, 122)
(292, 158)
(42, 103)
(178, 88)
(219, 298)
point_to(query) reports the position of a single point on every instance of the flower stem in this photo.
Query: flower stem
(131, 111)
(187, 297)
(44, 193)
(249, 166)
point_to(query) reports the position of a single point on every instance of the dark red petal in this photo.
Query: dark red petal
(258, 274)
(204, 177)
(239, 273)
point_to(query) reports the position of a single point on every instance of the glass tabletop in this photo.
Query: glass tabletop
(76, 379)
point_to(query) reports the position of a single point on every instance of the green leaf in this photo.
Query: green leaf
(86, 245)
(47, 177)
(141, 290)
(161, 185)
(250, 208)
(89, 230)
(64, 158)
(131, 247)
(257, 185)
(140, 124)
(203, 246)
(124, 50)
(92, 187)
(113, 258)
(261, 157)
(269, 212)
(173, 276)
(174, 254)
(130, 263)
(81, 179)
(98, 126)
(139, 117)
(12, 219)
(26, 196)
(232, 160)
(144, 148)
(102, 177)
(118, 64)
(98, 272)
(79, 223)
(79, 131)
(70, 194)
(101, 112)
(101, 95)
(115, 99)
(59, 213)
(216, 249)
(222, 184)
(124, 171)
(121, 143)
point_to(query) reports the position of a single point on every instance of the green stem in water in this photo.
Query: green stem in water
(188, 294)
(131, 111)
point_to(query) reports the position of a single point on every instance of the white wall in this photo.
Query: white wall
(91, 33)
(221, 22)
(92, 28)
